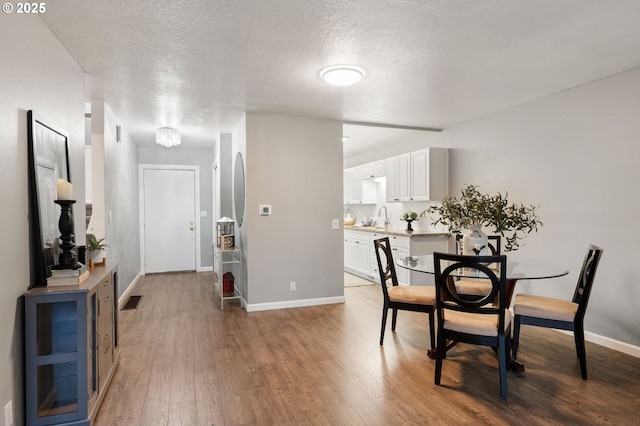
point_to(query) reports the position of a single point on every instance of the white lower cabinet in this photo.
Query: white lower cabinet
(359, 244)
(400, 247)
(356, 249)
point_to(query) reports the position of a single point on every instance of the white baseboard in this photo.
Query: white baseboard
(608, 342)
(205, 269)
(294, 304)
(125, 296)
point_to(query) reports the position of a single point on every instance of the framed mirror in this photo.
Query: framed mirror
(48, 155)
(238, 189)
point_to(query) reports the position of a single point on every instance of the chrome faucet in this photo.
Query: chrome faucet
(386, 216)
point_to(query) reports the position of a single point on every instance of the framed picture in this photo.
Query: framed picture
(48, 156)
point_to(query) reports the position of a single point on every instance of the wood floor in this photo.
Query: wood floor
(186, 362)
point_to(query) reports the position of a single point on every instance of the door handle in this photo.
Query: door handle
(191, 226)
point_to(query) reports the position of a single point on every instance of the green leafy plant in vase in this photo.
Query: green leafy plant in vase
(94, 247)
(471, 210)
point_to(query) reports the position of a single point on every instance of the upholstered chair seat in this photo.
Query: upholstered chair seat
(544, 307)
(479, 325)
(424, 295)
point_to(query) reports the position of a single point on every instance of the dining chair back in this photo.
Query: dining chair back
(560, 314)
(397, 297)
(485, 320)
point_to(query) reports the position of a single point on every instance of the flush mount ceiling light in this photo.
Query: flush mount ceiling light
(168, 136)
(342, 75)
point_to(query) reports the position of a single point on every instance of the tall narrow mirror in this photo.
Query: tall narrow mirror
(48, 161)
(239, 189)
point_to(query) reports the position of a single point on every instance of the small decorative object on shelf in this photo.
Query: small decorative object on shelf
(225, 232)
(409, 217)
(94, 247)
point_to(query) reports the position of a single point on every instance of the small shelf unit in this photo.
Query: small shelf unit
(227, 261)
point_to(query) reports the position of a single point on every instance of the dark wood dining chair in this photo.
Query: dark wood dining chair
(397, 297)
(477, 287)
(485, 320)
(557, 313)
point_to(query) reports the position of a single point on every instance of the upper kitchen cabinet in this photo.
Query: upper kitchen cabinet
(356, 189)
(373, 170)
(429, 174)
(398, 178)
(421, 175)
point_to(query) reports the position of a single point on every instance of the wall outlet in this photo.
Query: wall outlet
(335, 224)
(8, 414)
(292, 286)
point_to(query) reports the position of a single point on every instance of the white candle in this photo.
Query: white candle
(65, 190)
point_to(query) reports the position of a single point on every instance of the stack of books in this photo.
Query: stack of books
(67, 276)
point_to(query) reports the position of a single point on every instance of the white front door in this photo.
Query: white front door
(169, 220)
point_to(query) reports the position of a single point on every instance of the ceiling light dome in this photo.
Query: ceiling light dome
(342, 75)
(168, 136)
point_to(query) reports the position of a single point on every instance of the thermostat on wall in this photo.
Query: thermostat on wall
(265, 210)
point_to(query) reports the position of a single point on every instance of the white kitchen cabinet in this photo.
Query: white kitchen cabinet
(421, 175)
(400, 247)
(352, 185)
(374, 170)
(356, 189)
(429, 174)
(398, 178)
(357, 252)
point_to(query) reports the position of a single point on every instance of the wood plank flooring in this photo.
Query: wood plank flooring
(186, 362)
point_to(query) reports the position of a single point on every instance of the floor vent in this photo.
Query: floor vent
(132, 303)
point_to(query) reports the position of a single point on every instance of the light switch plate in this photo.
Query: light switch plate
(335, 224)
(265, 210)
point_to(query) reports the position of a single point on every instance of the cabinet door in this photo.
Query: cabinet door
(373, 170)
(362, 256)
(391, 165)
(404, 177)
(55, 357)
(420, 175)
(353, 185)
(347, 254)
(401, 273)
(105, 334)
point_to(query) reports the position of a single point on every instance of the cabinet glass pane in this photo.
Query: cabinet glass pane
(57, 389)
(57, 328)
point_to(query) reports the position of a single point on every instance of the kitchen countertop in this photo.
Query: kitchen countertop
(396, 231)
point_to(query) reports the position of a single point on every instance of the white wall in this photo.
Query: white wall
(36, 73)
(293, 164)
(575, 154)
(121, 201)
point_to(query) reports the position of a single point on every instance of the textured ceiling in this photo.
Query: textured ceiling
(199, 65)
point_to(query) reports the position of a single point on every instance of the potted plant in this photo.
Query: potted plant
(94, 247)
(409, 217)
(471, 210)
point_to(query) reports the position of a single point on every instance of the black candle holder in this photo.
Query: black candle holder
(67, 259)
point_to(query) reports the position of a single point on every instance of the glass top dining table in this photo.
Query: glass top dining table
(518, 268)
